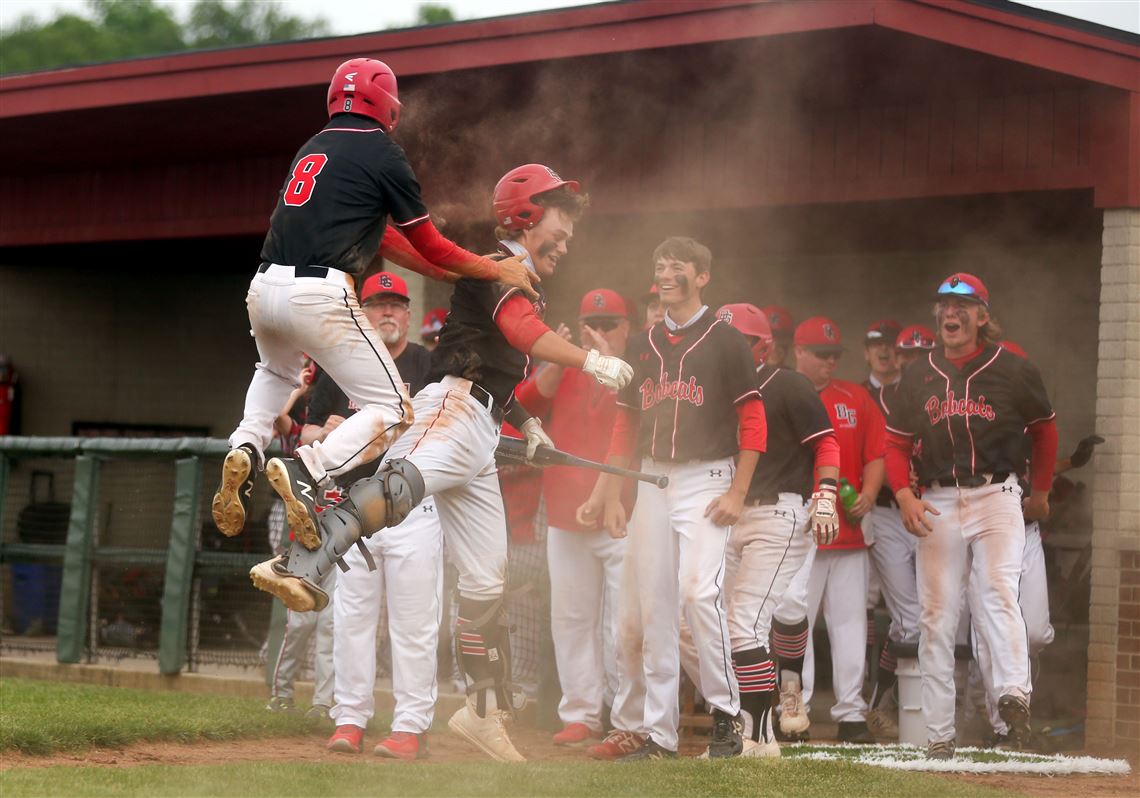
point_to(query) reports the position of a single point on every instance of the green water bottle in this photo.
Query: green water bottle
(848, 496)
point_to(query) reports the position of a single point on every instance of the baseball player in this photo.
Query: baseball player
(490, 335)
(407, 572)
(792, 499)
(890, 546)
(584, 563)
(780, 320)
(834, 576)
(692, 407)
(968, 405)
(344, 183)
(654, 309)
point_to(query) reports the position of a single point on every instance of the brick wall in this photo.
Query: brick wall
(1114, 615)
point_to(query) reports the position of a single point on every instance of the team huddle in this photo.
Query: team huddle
(790, 492)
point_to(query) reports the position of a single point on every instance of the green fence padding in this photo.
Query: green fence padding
(114, 555)
(31, 552)
(75, 591)
(228, 560)
(16, 445)
(179, 566)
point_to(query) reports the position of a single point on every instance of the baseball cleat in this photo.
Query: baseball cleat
(488, 734)
(648, 750)
(230, 506)
(793, 719)
(617, 744)
(727, 736)
(577, 735)
(403, 745)
(1014, 710)
(855, 732)
(942, 750)
(295, 593)
(291, 480)
(347, 739)
(319, 712)
(882, 725)
(279, 704)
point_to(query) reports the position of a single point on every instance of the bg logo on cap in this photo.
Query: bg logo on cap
(829, 332)
(599, 301)
(726, 316)
(385, 281)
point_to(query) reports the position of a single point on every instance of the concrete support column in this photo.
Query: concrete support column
(1114, 614)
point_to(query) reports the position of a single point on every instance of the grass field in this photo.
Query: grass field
(44, 717)
(53, 741)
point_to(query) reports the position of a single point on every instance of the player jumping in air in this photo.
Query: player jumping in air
(343, 185)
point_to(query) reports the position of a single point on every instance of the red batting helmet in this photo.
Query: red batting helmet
(515, 208)
(750, 321)
(915, 337)
(368, 87)
(780, 320)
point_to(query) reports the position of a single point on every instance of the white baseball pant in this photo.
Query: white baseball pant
(674, 560)
(300, 630)
(452, 443)
(585, 577)
(979, 537)
(893, 558)
(834, 580)
(1033, 598)
(409, 574)
(319, 316)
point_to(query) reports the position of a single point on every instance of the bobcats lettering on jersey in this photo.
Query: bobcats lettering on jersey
(654, 392)
(939, 410)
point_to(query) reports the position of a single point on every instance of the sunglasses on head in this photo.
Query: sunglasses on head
(956, 287)
(602, 325)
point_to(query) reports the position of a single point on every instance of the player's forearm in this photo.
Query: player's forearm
(873, 475)
(553, 348)
(826, 472)
(745, 468)
(448, 255)
(311, 433)
(397, 249)
(546, 379)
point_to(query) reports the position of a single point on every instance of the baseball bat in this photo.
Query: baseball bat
(514, 450)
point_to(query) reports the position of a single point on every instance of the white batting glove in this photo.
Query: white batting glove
(823, 521)
(610, 371)
(535, 437)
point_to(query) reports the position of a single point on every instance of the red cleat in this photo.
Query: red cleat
(616, 744)
(577, 735)
(403, 745)
(346, 739)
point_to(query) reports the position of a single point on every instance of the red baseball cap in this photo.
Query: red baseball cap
(433, 322)
(915, 337)
(819, 334)
(602, 303)
(780, 320)
(964, 286)
(883, 330)
(384, 283)
(651, 294)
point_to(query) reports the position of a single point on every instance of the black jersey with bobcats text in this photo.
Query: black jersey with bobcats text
(327, 399)
(969, 421)
(472, 346)
(796, 419)
(686, 385)
(344, 183)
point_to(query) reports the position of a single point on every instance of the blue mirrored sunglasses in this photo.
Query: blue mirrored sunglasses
(958, 287)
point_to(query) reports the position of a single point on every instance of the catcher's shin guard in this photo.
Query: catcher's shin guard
(382, 500)
(483, 647)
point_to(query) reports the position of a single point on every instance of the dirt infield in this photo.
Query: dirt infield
(446, 748)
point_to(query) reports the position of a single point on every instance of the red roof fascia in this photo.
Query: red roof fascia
(1015, 38)
(582, 31)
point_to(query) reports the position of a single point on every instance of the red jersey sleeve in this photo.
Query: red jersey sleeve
(753, 425)
(826, 452)
(899, 448)
(445, 253)
(516, 318)
(1044, 459)
(399, 250)
(875, 440)
(625, 433)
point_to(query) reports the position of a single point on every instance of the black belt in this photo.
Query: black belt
(885, 501)
(483, 397)
(299, 271)
(976, 481)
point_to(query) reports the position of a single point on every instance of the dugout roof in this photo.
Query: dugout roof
(676, 105)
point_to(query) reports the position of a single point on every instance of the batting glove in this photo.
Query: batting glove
(535, 437)
(610, 371)
(823, 520)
